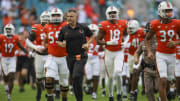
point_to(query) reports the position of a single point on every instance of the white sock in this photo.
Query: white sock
(124, 90)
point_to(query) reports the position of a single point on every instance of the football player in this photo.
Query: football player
(136, 36)
(57, 70)
(112, 31)
(35, 41)
(166, 30)
(92, 67)
(9, 43)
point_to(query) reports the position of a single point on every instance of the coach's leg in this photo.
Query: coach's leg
(77, 78)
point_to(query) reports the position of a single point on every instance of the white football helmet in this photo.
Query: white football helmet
(94, 28)
(45, 17)
(112, 16)
(9, 29)
(56, 11)
(132, 26)
(163, 6)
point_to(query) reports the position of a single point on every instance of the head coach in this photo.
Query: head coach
(73, 37)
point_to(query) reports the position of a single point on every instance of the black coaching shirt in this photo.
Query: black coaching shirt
(75, 38)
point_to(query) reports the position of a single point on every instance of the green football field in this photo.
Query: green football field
(29, 95)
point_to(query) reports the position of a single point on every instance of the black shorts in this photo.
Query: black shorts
(22, 62)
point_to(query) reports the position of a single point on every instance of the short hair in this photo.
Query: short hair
(72, 10)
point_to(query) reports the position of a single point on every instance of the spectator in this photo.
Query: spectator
(52, 5)
(94, 18)
(7, 20)
(12, 13)
(102, 8)
(51, 1)
(82, 14)
(88, 8)
(24, 17)
(21, 5)
(5, 6)
(33, 12)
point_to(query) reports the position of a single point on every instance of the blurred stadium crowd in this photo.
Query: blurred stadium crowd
(24, 13)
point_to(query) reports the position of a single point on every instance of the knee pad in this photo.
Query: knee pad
(49, 83)
(64, 89)
(11, 77)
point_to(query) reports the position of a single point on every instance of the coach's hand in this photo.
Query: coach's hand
(85, 46)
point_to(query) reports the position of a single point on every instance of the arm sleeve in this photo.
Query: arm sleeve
(32, 36)
(22, 48)
(30, 44)
(61, 35)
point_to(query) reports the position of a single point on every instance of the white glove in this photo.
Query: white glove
(112, 42)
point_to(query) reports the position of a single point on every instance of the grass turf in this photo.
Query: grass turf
(30, 95)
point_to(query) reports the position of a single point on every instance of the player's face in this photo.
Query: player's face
(130, 30)
(71, 17)
(169, 13)
(112, 14)
(56, 18)
(8, 30)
